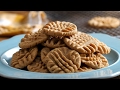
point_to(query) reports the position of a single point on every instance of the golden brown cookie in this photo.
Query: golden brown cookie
(82, 42)
(33, 39)
(104, 22)
(53, 43)
(84, 69)
(60, 28)
(44, 52)
(97, 61)
(53, 68)
(23, 57)
(102, 47)
(88, 55)
(37, 66)
(62, 60)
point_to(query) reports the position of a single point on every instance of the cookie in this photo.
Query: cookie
(23, 57)
(88, 55)
(81, 42)
(95, 62)
(44, 51)
(104, 22)
(37, 66)
(84, 69)
(102, 47)
(53, 43)
(59, 28)
(32, 39)
(62, 60)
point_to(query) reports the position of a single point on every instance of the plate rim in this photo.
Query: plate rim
(34, 75)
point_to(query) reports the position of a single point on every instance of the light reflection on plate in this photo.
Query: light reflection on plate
(108, 72)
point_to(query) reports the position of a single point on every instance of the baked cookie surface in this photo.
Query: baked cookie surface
(33, 39)
(95, 61)
(62, 60)
(37, 66)
(23, 57)
(81, 42)
(53, 43)
(60, 28)
(104, 22)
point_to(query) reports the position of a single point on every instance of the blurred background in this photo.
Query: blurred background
(22, 22)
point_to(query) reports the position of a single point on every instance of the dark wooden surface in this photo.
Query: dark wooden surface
(80, 18)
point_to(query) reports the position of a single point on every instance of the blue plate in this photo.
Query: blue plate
(10, 46)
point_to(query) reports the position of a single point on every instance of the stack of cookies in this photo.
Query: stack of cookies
(58, 47)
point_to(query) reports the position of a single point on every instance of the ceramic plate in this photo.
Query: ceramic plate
(10, 46)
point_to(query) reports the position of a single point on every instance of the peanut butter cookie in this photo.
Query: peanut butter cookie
(62, 60)
(23, 57)
(44, 52)
(60, 28)
(81, 42)
(84, 69)
(95, 62)
(102, 47)
(33, 39)
(53, 43)
(104, 22)
(37, 66)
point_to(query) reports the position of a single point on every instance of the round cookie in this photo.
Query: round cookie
(95, 61)
(104, 22)
(23, 57)
(37, 66)
(53, 43)
(85, 43)
(60, 28)
(85, 69)
(33, 39)
(102, 47)
(62, 60)
(82, 42)
(44, 51)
